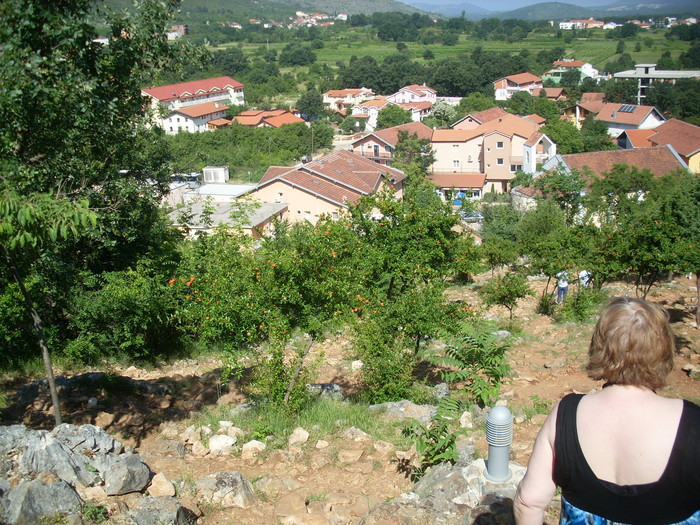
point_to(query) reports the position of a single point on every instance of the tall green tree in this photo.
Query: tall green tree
(392, 115)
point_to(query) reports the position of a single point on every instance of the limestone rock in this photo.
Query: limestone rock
(221, 443)
(252, 449)
(355, 434)
(154, 511)
(299, 436)
(228, 489)
(32, 500)
(161, 486)
(124, 474)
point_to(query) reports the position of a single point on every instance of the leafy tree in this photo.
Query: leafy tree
(498, 252)
(62, 147)
(443, 114)
(681, 100)
(499, 222)
(506, 291)
(565, 136)
(310, 104)
(413, 155)
(393, 115)
(230, 62)
(595, 136)
(295, 54)
(428, 55)
(563, 187)
(620, 47)
(475, 102)
(571, 77)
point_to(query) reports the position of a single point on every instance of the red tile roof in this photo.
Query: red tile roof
(280, 120)
(659, 160)
(458, 180)
(193, 88)
(523, 78)
(201, 110)
(639, 138)
(550, 92)
(568, 63)
(610, 112)
(488, 114)
(341, 177)
(419, 105)
(537, 119)
(684, 137)
(391, 135)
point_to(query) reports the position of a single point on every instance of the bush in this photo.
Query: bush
(582, 305)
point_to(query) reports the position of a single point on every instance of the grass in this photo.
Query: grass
(596, 49)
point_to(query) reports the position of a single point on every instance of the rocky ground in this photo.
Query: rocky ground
(337, 478)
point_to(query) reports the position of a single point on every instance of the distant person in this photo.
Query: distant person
(584, 277)
(562, 286)
(622, 454)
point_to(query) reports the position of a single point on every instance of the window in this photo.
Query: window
(456, 164)
(334, 215)
(515, 167)
(455, 147)
(499, 162)
(469, 158)
(387, 149)
(499, 145)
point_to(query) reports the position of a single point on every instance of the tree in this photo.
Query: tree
(62, 147)
(565, 136)
(310, 104)
(413, 155)
(571, 77)
(620, 47)
(506, 291)
(595, 136)
(475, 102)
(393, 115)
(428, 55)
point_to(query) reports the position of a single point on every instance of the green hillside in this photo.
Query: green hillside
(548, 11)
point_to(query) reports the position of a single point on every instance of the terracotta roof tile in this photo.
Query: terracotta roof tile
(568, 63)
(659, 160)
(280, 120)
(193, 88)
(201, 110)
(639, 138)
(458, 180)
(523, 78)
(684, 137)
(340, 177)
(419, 105)
(610, 112)
(391, 135)
(488, 114)
(537, 119)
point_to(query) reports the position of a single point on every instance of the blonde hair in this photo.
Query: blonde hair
(632, 344)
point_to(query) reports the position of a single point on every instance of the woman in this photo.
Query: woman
(622, 454)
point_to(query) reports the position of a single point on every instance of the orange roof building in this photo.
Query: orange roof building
(506, 87)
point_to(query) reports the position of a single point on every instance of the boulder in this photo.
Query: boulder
(221, 443)
(161, 486)
(34, 501)
(228, 489)
(154, 511)
(44, 452)
(252, 449)
(124, 474)
(298, 437)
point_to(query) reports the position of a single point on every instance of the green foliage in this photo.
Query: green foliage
(582, 305)
(475, 360)
(565, 187)
(393, 115)
(499, 222)
(498, 252)
(436, 442)
(565, 135)
(506, 291)
(92, 513)
(310, 104)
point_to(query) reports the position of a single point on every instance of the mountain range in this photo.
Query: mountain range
(525, 9)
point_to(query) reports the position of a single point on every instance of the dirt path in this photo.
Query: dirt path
(343, 475)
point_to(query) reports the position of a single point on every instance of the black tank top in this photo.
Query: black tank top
(673, 498)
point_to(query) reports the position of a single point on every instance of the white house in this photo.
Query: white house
(621, 117)
(647, 74)
(412, 94)
(193, 118)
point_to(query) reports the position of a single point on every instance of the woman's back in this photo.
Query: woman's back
(627, 433)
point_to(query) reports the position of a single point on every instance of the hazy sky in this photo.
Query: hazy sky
(506, 5)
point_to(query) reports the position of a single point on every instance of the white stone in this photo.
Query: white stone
(321, 443)
(252, 449)
(234, 432)
(298, 437)
(221, 442)
(466, 420)
(356, 365)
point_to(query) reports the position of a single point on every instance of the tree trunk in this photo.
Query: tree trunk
(297, 372)
(39, 328)
(697, 303)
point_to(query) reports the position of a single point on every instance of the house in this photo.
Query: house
(647, 74)
(413, 93)
(166, 100)
(621, 117)
(581, 24)
(537, 119)
(341, 99)
(199, 217)
(370, 110)
(327, 185)
(474, 120)
(590, 104)
(659, 160)
(257, 118)
(454, 187)
(215, 174)
(194, 118)
(555, 93)
(684, 137)
(562, 66)
(497, 149)
(223, 90)
(506, 87)
(419, 109)
(379, 146)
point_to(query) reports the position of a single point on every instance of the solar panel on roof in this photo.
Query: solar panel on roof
(628, 108)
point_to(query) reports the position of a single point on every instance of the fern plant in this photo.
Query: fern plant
(436, 442)
(475, 359)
